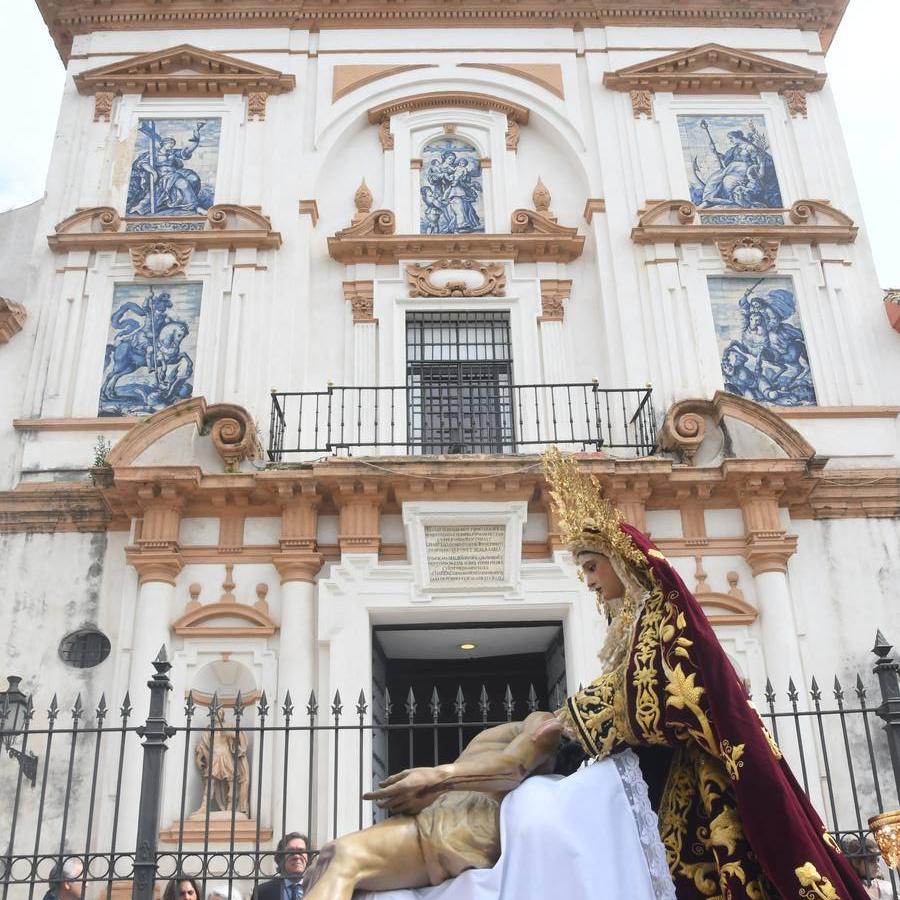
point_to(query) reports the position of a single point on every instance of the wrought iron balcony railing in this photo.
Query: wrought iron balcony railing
(467, 416)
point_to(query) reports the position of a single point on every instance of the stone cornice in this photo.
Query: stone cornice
(680, 222)
(533, 237)
(66, 18)
(226, 225)
(714, 69)
(807, 493)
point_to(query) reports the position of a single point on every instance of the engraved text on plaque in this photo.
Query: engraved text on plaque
(465, 555)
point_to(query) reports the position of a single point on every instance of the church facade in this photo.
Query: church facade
(314, 284)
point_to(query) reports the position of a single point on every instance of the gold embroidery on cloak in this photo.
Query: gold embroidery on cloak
(814, 886)
(773, 745)
(731, 756)
(598, 714)
(647, 709)
(675, 806)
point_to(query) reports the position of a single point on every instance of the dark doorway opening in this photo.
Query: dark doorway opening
(432, 703)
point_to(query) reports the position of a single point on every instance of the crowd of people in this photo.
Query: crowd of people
(67, 881)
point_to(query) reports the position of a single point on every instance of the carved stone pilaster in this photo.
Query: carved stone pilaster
(299, 517)
(768, 546)
(630, 495)
(360, 511)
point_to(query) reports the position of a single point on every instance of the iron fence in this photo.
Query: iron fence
(129, 803)
(475, 416)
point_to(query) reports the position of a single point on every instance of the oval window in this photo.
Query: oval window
(84, 649)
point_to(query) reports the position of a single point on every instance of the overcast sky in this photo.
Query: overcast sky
(864, 74)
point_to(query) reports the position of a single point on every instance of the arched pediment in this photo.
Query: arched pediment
(224, 619)
(726, 609)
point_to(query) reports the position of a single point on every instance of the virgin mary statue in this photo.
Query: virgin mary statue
(685, 794)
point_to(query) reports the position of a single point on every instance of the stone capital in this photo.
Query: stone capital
(297, 565)
(769, 551)
(155, 563)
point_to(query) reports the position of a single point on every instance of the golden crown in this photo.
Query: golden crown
(587, 521)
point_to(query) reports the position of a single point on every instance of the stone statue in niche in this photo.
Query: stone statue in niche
(221, 757)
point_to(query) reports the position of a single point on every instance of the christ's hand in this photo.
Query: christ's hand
(409, 791)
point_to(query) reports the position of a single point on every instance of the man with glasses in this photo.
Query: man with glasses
(290, 859)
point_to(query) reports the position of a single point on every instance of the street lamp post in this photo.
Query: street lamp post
(15, 713)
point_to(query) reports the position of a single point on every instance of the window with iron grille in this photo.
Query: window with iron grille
(84, 649)
(459, 382)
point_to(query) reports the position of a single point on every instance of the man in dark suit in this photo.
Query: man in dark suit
(290, 860)
(65, 881)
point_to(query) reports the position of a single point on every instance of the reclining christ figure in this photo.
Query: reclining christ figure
(446, 828)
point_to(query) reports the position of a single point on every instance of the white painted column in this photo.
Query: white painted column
(153, 612)
(298, 565)
(293, 803)
(768, 549)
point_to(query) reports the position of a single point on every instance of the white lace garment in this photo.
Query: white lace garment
(592, 835)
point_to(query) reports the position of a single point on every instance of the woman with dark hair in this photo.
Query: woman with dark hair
(181, 887)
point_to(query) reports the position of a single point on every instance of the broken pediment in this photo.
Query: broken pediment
(715, 69)
(182, 71)
(693, 429)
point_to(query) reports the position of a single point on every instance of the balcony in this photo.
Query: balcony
(475, 415)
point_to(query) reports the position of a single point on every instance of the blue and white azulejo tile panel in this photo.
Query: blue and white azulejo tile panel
(149, 359)
(729, 162)
(173, 170)
(762, 346)
(451, 188)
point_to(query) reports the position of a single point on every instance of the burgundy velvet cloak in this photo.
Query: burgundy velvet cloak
(734, 821)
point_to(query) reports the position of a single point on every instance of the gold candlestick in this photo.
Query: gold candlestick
(886, 829)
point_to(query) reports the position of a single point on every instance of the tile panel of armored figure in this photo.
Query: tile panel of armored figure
(728, 162)
(451, 188)
(152, 345)
(761, 341)
(173, 169)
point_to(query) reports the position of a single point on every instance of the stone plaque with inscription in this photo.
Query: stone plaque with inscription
(465, 555)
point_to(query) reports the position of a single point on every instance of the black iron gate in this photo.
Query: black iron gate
(79, 808)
